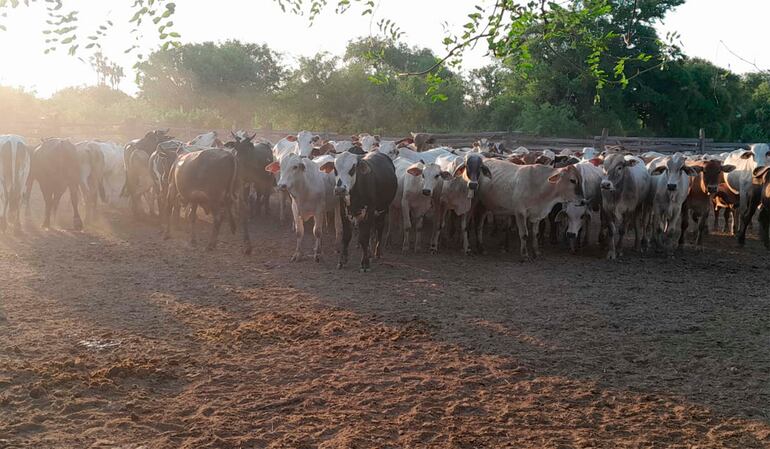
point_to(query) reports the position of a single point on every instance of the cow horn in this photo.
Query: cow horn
(232, 133)
(253, 136)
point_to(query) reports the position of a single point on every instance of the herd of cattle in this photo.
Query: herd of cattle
(380, 186)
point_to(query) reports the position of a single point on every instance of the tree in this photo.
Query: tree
(107, 72)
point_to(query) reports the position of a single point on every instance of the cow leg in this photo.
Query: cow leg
(535, 241)
(406, 224)
(48, 199)
(243, 213)
(686, 224)
(480, 221)
(364, 231)
(337, 225)
(674, 232)
(702, 229)
(347, 234)
(299, 230)
(438, 226)
(522, 224)
(218, 214)
(171, 204)
(77, 223)
(379, 228)
(612, 235)
(464, 232)
(318, 230)
(418, 234)
(192, 215)
(764, 225)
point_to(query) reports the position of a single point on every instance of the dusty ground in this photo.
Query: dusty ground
(114, 338)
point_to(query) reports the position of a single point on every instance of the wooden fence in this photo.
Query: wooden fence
(123, 132)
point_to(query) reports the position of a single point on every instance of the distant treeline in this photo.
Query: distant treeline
(236, 84)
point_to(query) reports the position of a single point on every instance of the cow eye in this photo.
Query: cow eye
(335, 172)
(352, 170)
(435, 177)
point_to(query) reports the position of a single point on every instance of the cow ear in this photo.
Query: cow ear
(596, 162)
(630, 162)
(316, 138)
(728, 168)
(273, 167)
(747, 155)
(760, 171)
(364, 168)
(460, 170)
(692, 170)
(328, 167)
(445, 175)
(486, 171)
(658, 170)
(291, 138)
(414, 170)
(554, 178)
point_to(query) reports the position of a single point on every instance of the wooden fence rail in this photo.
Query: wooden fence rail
(123, 132)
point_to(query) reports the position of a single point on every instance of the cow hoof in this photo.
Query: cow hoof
(296, 257)
(340, 265)
(166, 236)
(210, 248)
(78, 226)
(247, 251)
(364, 270)
(317, 258)
(404, 249)
(467, 252)
(612, 256)
(433, 250)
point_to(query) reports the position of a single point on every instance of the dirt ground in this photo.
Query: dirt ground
(114, 338)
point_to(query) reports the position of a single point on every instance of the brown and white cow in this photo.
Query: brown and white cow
(703, 191)
(92, 169)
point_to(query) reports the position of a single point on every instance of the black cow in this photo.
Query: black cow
(366, 191)
(56, 168)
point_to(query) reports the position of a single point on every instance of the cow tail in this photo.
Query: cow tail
(102, 193)
(232, 195)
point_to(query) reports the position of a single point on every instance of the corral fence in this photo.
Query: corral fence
(128, 130)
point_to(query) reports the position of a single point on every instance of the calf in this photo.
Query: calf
(669, 186)
(14, 171)
(312, 196)
(56, 168)
(578, 214)
(459, 192)
(366, 187)
(208, 179)
(703, 190)
(758, 195)
(726, 200)
(528, 193)
(625, 199)
(420, 194)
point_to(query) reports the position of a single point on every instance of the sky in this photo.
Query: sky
(708, 28)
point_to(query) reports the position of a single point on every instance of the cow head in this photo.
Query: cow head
(292, 173)
(431, 176)
(150, 141)
(574, 214)
(758, 152)
(388, 148)
(570, 180)
(306, 141)
(346, 167)
(615, 167)
(676, 172)
(471, 169)
(711, 174)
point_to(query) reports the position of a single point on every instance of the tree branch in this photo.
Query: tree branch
(451, 53)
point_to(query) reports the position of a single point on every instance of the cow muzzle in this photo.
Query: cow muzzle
(340, 191)
(426, 192)
(572, 240)
(671, 187)
(712, 190)
(283, 187)
(473, 185)
(607, 185)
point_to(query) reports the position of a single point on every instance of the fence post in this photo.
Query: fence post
(603, 139)
(702, 141)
